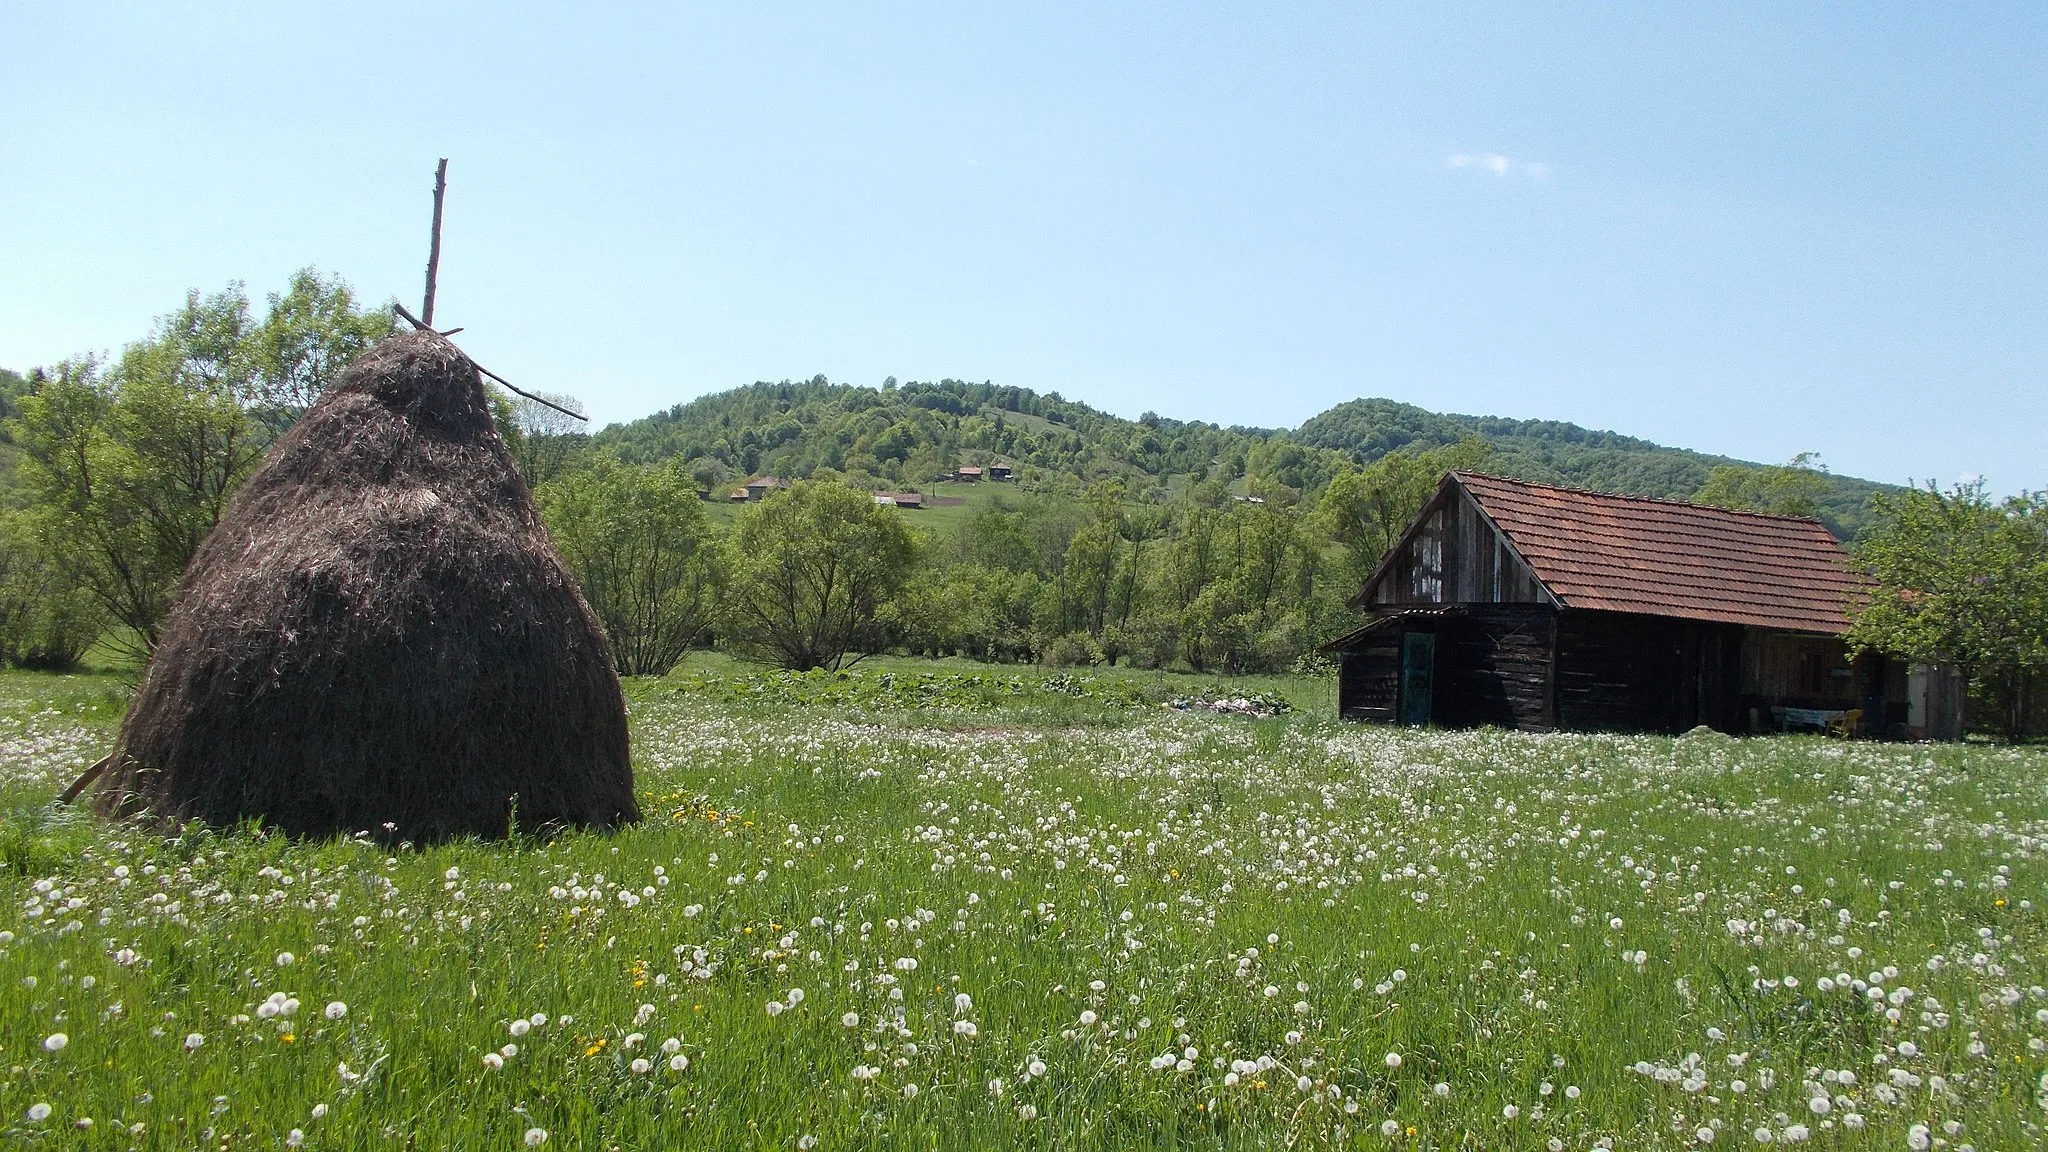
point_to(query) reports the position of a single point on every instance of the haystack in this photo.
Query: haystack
(379, 636)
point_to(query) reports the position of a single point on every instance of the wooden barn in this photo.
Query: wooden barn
(1529, 606)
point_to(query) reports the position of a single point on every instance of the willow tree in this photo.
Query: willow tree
(820, 565)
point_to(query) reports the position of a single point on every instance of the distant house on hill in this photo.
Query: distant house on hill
(1529, 606)
(761, 486)
(900, 499)
(968, 474)
(999, 472)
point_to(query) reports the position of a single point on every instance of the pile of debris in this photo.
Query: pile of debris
(1256, 704)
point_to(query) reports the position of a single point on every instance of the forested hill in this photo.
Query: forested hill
(905, 435)
(1555, 452)
(909, 434)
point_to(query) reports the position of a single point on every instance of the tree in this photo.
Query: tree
(821, 564)
(1792, 489)
(130, 471)
(1964, 580)
(641, 547)
(710, 474)
(128, 467)
(970, 610)
(547, 438)
(1255, 609)
(311, 332)
(45, 620)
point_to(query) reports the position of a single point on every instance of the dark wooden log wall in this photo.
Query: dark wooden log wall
(1500, 670)
(1624, 673)
(1369, 677)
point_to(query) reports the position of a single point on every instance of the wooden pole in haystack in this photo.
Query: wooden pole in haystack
(434, 248)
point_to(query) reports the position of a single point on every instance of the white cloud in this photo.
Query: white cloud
(1498, 164)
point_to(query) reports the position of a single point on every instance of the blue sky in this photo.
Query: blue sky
(1753, 230)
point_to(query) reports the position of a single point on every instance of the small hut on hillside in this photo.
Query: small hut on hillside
(380, 636)
(1530, 606)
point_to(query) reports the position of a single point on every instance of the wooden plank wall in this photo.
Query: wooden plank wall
(1803, 671)
(1457, 557)
(1616, 673)
(1501, 668)
(1622, 673)
(1369, 677)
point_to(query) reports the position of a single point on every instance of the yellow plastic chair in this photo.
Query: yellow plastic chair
(1847, 726)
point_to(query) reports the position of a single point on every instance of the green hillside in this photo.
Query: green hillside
(1554, 452)
(909, 435)
(906, 436)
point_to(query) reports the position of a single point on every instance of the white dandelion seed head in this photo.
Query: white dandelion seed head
(55, 1042)
(535, 1137)
(193, 1040)
(1393, 1059)
(335, 1010)
(38, 1112)
(285, 959)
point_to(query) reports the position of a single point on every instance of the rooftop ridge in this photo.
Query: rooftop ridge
(1466, 473)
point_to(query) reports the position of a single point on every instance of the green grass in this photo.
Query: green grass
(940, 520)
(1110, 882)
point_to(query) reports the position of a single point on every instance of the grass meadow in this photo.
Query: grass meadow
(939, 905)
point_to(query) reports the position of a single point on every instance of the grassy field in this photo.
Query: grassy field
(949, 906)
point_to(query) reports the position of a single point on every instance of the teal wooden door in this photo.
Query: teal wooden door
(1418, 677)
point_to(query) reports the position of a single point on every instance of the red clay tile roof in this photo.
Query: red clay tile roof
(1665, 558)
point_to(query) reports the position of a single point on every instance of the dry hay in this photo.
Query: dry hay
(379, 636)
